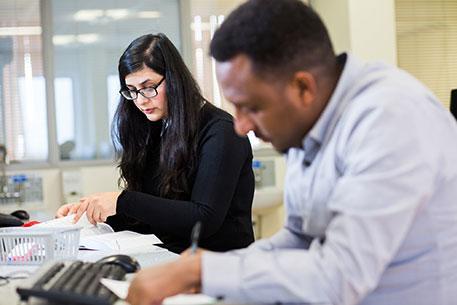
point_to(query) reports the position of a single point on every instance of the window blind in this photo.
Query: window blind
(23, 122)
(427, 43)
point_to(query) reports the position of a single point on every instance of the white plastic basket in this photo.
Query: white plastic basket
(33, 246)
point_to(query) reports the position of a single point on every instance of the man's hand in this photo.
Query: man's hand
(152, 285)
(98, 207)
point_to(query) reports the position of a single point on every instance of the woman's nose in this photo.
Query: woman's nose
(140, 100)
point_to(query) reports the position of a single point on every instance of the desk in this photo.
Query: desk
(8, 295)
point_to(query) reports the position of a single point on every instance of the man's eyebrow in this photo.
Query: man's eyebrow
(239, 100)
(239, 103)
(244, 103)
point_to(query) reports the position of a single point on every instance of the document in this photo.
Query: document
(102, 236)
(123, 241)
(121, 288)
(87, 229)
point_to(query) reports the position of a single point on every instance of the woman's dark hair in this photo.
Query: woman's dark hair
(280, 36)
(134, 136)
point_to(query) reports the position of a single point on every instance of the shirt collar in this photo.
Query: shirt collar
(336, 103)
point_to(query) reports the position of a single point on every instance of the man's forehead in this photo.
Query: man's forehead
(235, 75)
(238, 67)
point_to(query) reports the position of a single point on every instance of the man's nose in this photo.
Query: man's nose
(243, 125)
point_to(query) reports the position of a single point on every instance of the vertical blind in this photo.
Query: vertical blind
(427, 43)
(23, 128)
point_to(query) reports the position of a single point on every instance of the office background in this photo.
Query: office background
(59, 84)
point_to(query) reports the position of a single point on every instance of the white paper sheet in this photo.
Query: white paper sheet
(103, 238)
(88, 229)
(123, 241)
(121, 288)
(189, 299)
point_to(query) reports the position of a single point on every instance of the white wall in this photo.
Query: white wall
(52, 191)
(366, 28)
(336, 17)
(65, 185)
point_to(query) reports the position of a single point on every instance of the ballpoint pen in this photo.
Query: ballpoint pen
(195, 235)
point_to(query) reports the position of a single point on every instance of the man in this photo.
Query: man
(371, 184)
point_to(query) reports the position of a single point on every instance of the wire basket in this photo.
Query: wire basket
(33, 246)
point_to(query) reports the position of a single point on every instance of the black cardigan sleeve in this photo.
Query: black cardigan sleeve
(221, 158)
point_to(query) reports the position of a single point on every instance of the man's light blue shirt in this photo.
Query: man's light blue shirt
(371, 202)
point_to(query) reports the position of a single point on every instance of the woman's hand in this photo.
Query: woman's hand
(98, 207)
(64, 210)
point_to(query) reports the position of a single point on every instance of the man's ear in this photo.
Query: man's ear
(305, 86)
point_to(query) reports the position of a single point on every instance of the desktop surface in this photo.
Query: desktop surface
(10, 296)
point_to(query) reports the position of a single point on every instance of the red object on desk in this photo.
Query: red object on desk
(30, 223)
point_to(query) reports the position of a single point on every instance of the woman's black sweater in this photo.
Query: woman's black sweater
(221, 196)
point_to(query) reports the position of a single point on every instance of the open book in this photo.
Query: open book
(102, 237)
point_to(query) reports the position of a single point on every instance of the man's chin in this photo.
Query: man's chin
(282, 150)
(279, 148)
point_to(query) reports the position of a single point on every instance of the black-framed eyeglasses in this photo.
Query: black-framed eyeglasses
(148, 92)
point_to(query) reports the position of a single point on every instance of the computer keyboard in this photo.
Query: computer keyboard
(74, 282)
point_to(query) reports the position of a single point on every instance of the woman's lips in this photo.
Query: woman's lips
(149, 110)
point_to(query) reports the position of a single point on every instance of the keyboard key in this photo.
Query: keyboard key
(75, 282)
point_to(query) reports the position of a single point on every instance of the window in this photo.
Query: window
(82, 45)
(23, 121)
(207, 15)
(89, 37)
(427, 43)
(63, 87)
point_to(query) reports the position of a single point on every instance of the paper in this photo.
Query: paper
(189, 299)
(123, 241)
(121, 288)
(88, 229)
(102, 237)
(65, 221)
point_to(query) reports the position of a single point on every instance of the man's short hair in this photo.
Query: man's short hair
(281, 36)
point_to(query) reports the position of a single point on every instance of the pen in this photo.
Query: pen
(194, 236)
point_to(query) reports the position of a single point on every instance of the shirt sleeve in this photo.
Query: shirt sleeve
(221, 159)
(387, 179)
(282, 239)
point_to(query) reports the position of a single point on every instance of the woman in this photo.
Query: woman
(180, 159)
